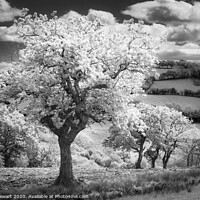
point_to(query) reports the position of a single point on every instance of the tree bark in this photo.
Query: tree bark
(66, 135)
(7, 161)
(66, 176)
(153, 155)
(197, 161)
(166, 159)
(188, 159)
(153, 162)
(140, 152)
(192, 159)
(138, 163)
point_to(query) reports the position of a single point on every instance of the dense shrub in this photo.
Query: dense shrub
(168, 75)
(163, 91)
(173, 91)
(188, 111)
(148, 83)
(182, 69)
(166, 64)
(196, 82)
(44, 158)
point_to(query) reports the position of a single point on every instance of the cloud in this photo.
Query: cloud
(158, 30)
(70, 14)
(105, 17)
(9, 34)
(171, 51)
(7, 13)
(178, 55)
(185, 33)
(169, 12)
(5, 65)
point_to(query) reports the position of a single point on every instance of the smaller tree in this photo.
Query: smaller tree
(191, 144)
(12, 145)
(159, 126)
(17, 136)
(152, 154)
(132, 128)
(11, 138)
(172, 126)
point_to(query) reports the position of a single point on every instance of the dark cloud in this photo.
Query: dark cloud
(168, 12)
(184, 34)
(163, 15)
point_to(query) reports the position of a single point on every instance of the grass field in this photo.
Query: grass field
(35, 181)
(183, 195)
(164, 99)
(178, 84)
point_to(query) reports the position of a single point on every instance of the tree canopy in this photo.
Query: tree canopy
(143, 127)
(74, 70)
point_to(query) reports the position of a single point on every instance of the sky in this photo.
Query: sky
(177, 21)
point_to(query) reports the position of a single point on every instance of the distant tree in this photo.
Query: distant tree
(74, 71)
(17, 137)
(191, 144)
(11, 137)
(10, 144)
(172, 126)
(158, 126)
(133, 128)
(152, 154)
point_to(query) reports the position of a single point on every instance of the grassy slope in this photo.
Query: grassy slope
(164, 99)
(178, 84)
(92, 137)
(183, 195)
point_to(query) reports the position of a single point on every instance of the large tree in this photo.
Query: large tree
(74, 70)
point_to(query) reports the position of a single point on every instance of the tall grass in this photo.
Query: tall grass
(148, 182)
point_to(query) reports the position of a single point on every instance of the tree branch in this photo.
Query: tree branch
(48, 122)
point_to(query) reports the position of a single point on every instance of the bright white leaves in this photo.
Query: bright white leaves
(80, 44)
(160, 125)
(102, 66)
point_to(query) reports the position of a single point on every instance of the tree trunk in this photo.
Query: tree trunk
(154, 157)
(66, 176)
(197, 161)
(138, 163)
(188, 159)
(153, 162)
(7, 160)
(66, 135)
(140, 152)
(166, 159)
(192, 159)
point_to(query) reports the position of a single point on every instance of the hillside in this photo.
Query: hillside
(165, 99)
(87, 150)
(178, 84)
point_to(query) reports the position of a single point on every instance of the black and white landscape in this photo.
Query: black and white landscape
(99, 99)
